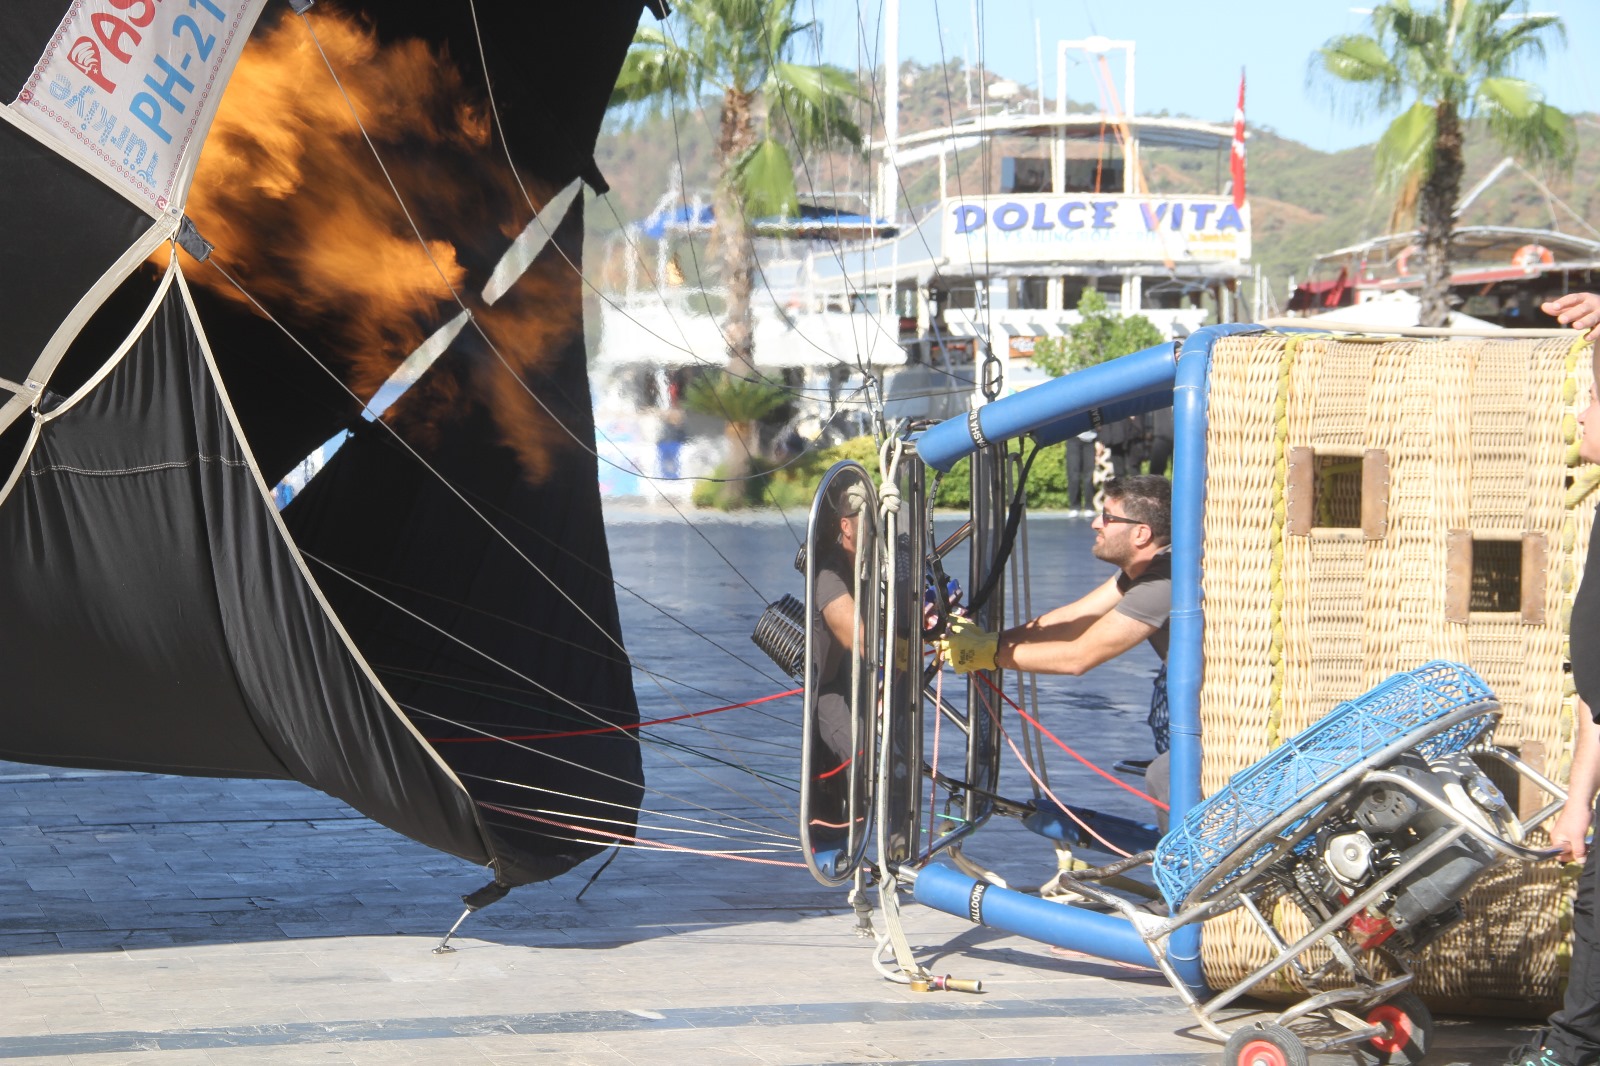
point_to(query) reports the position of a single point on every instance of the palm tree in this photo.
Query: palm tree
(741, 403)
(741, 49)
(1456, 60)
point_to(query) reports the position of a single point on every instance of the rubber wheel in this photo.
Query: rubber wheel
(1264, 1044)
(1410, 1026)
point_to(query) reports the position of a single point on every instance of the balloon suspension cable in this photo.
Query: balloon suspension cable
(450, 487)
(485, 655)
(473, 320)
(1064, 746)
(1008, 537)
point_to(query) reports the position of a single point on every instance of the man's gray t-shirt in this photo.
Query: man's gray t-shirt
(1148, 599)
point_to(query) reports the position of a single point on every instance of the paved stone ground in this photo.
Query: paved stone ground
(150, 919)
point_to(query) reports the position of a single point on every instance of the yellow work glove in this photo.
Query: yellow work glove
(967, 646)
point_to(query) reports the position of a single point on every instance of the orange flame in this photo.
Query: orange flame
(302, 214)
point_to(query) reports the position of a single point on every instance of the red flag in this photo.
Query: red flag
(1236, 164)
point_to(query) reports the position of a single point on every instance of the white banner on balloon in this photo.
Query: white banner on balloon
(128, 87)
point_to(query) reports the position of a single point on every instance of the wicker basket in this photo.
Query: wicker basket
(1373, 504)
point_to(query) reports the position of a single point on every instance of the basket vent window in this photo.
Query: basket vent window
(1337, 490)
(1496, 575)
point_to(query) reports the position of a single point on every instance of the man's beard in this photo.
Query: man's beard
(1106, 552)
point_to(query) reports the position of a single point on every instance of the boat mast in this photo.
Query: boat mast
(891, 137)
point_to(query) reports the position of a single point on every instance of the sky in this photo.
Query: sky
(1189, 53)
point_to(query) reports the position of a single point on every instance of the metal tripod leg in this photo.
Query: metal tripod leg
(444, 947)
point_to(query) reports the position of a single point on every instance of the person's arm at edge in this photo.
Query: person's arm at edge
(1045, 652)
(1572, 824)
(840, 615)
(1579, 310)
(1071, 619)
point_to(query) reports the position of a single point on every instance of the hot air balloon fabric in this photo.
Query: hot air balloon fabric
(240, 233)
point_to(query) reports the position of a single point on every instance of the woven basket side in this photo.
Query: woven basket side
(1472, 431)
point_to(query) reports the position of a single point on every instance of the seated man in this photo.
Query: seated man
(1134, 533)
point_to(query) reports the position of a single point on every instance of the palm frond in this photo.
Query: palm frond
(1356, 74)
(654, 71)
(812, 105)
(1524, 124)
(1526, 40)
(1405, 151)
(764, 177)
(1357, 58)
(1403, 212)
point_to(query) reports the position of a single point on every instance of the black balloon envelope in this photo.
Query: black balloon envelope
(246, 244)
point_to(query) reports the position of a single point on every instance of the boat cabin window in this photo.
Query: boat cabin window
(963, 297)
(1172, 293)
(1109, 287)
(1022, 174)
(1093, 175)
(905, 301)
(1028, 294)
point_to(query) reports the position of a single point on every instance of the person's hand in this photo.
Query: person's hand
(967, 646)
(1569, 829)
(1580, 310)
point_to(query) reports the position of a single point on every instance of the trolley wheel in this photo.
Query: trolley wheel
(1264, 1044)
(1410, 1026)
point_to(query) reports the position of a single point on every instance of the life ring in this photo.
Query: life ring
(1401, 260)
(1531, 255)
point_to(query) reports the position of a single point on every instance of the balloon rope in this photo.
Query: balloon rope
(727, 828)
(1037, 780)
(637, 841)
(616, 728)
(1063, 746)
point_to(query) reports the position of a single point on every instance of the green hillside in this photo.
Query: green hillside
(1303, 201)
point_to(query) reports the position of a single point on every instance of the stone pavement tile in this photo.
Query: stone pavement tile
(703, 1047)
(1140, 1037)
(208, 904)
(675, 1044)
(806, 1052)
(587, 1057)
(520, 1047)
(22, 945)
(273, 1054)
(322, 927)
(101, 940)
(135, 1058)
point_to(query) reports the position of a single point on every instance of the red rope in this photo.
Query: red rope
(636, 840)
(616, 728)
(1063, 746)
(841, 768)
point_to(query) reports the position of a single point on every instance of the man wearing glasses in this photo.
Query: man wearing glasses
(1133, 532)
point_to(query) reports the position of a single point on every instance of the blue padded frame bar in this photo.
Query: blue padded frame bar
(1104, 935)
(1185, 653)
(1105, 414)
(1058, 409)
(1148, 373)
